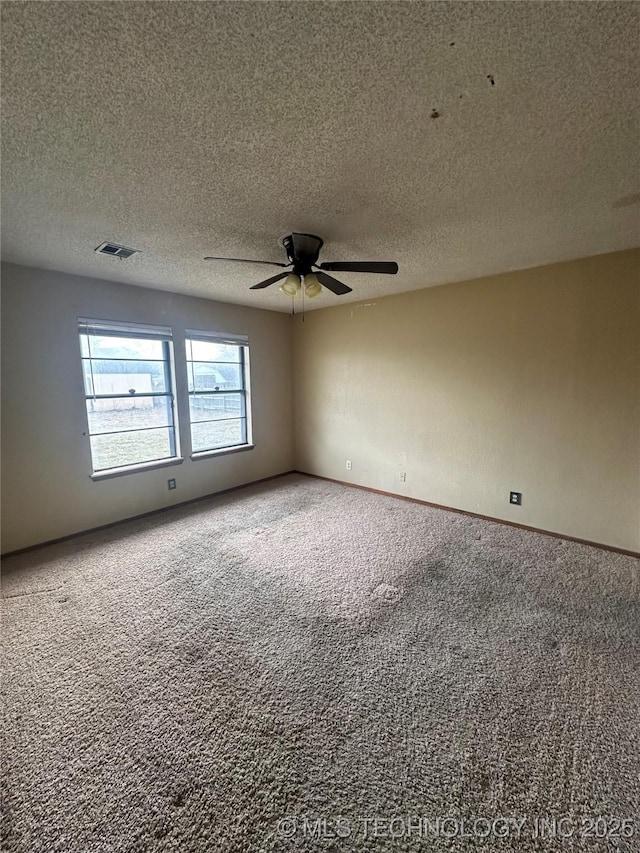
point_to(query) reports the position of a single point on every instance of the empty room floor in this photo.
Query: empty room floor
(298, 665)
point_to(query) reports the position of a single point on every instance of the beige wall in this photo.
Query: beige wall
(527, 381)
(46, 490)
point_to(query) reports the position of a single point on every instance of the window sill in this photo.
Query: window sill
(224, 451)
(136, 469)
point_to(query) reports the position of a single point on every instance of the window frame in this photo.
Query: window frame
(242, 343)
(140, 332)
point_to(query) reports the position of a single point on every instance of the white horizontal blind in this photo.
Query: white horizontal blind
(123, 330)
(217, 337)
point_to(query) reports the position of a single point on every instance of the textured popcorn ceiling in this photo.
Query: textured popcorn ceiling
(188, 129)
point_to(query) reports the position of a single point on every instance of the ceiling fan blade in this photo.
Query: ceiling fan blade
(385, 267)
(246, 261)
(333, 284)
(269, 281)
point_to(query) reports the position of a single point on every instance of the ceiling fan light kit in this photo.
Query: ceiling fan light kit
(291, 285)
(302, 253)
(312, 286)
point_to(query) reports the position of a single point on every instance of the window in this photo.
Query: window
(217, 371)
(128, 383)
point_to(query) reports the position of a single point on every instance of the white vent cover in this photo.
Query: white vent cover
(115, 250)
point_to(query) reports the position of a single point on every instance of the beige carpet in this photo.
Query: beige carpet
(302, 659)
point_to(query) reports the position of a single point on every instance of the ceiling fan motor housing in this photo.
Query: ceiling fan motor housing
(302, 251)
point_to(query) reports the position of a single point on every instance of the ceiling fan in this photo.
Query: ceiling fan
(302, 252)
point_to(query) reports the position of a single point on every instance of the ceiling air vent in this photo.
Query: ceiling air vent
(115, 250)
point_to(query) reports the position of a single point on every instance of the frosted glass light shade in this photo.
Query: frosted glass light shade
(312, 286)
(291, 285)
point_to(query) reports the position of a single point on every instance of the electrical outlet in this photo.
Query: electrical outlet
(171, 484)
(348, 464)
(515, 498)
(403, 477)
